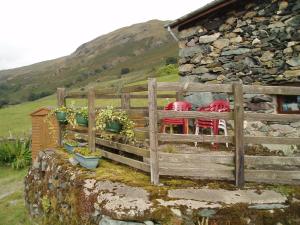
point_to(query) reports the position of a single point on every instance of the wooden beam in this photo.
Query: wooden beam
(125, 101)
(92, 123)
(61, 101)
(271, 90)
(271, 140)
(239, 134)
(195, 87)
(194, 114)
(124, 160)
(251, 116)
(154, 158)
(195, 138)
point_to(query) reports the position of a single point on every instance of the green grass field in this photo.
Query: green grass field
(12, 205)
(16, 120)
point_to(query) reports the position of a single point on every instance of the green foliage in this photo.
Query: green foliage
(72, 143)
(171, 60)
(110, 114)
(87, 152)
(125, 70)
(83, 111)
(16, 153)
(46, 204)
(167, 70)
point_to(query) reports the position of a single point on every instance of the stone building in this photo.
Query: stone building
(256, 42)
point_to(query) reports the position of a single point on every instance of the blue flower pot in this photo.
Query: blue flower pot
(69, 148)
(89, 162)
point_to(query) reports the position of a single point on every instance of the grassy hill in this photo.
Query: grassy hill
(15, 119)
(140, 48)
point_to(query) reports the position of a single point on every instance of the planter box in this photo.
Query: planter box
(89, 162)
(114, 126)
(81, 121)
(61, 117)
(69, 148)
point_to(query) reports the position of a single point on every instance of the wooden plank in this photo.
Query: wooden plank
(267, 162)
(196, 158)
(154, 158)
(128, 89)
(194, 114)
(195, 138)
(198, 173)
(195, 87)
(140, 96)
(273, 176)
(271, 90)
(239, 134)
(271, 140)
(125, 101)
(92, 123)
(76, 94)
(127, 161)
(116, 145)
(249, 116)
(61, 101)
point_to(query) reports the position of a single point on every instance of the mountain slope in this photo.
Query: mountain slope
(140, 48)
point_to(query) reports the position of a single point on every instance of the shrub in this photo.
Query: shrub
(167, 70)
(125, 70)
(15, 152)
(171, 60)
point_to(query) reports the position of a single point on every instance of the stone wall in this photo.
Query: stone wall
(59, 193)
(256, 43)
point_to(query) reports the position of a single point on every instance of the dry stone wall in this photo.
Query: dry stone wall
(256, 43)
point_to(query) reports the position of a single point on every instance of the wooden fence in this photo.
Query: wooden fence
(251, 168)
(217, 165)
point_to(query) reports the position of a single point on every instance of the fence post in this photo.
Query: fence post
(239, 134)
(154, 157)
(125, 101)
(61, 101)
(91, 124)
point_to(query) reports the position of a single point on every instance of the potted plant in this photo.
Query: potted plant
(61, 114)
(70, 145)
(82, 116)
(87, 158)
(115, 121)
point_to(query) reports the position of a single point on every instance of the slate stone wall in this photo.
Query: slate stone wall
(256, 43)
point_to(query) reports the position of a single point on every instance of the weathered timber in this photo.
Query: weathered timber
(195, 138)
(272, 162)
(61, 101)
(271, 117)
(273, 176)
(271, 90)
(194, 114)
(195, 87)
(198, 173)
(91, 117)
(239, 134)
(152, 101)
(194, 158)
(127, 161)
(125, 101)
(111, 144)
(271, 140)
(128, 89)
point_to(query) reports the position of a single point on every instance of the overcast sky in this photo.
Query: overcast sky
(36, 30)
